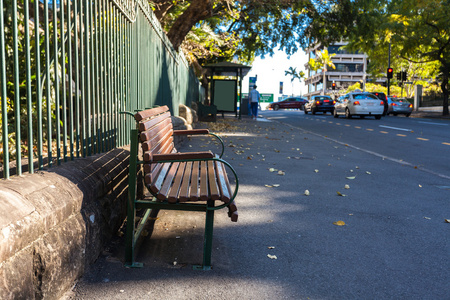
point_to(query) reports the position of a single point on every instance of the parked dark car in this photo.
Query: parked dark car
(382, 96)
(322, 103)
(291, 102)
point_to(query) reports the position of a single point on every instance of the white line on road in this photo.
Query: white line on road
(395, 128)
(431, 123)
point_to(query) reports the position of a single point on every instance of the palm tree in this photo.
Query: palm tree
(322, 61)
(295, 75)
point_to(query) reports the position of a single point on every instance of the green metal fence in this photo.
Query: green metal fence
(68, 68)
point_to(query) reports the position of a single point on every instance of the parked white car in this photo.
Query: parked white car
(359, 104)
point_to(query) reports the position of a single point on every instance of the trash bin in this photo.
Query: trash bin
(245, 107)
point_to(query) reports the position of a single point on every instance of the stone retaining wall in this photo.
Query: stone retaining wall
(55, 223)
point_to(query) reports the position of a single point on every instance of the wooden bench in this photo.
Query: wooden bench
(189, 181)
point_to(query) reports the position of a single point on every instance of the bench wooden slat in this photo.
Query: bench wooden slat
(213, 188)
(193, 191)
(184, 189)
(155, 144)
(149, 123)
(146, 125)
(204, 193)
(165, 188)
(174, 190)
(148, 113)
(224, 185)
(159, 180)
(166, 146)
(151, 136)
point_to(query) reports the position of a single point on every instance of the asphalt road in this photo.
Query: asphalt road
(395, 243)
(423, 143)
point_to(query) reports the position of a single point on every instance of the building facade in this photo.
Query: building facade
(350, 69)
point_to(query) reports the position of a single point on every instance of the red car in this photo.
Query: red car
(291, 102)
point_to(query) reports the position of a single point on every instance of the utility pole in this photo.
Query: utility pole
(389, 65)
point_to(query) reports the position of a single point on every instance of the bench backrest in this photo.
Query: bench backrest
(156, 136)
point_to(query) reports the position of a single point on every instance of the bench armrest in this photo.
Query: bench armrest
(191, 132)
(198, 132)
(180, 156)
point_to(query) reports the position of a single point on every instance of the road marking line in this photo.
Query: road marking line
(385, 132)
(422, 139)
(398, 134)
(395, 128)
(347, 125)
(433, 123)
(358, 127)
(338, 123)
(369, 129)
(448, 144)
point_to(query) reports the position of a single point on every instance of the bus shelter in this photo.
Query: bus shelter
(224, 92)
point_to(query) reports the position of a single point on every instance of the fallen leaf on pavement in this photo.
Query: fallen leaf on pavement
(427, 218)
(275, 185)
(271, 256)
(367, 172)
(272, 170)
(306, 193)
(447, 220)
(317, 171)
(271, 247)
(346, 186)
(281, 173)
(339, 223)
(340, 194)
(269, 186)
(351, 178)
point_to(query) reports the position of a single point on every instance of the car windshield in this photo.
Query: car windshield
(322, 98)
(364, 97)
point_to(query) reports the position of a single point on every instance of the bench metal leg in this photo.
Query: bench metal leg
(207, 241)
(130, 239)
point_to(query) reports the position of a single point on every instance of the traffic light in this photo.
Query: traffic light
(390, 73)
(403, 75)
(399, 76)
(333, 86)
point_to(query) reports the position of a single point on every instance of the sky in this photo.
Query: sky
(270, 71)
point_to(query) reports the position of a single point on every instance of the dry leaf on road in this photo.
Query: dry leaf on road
(339, 223)
(306, 193)
(271, 256)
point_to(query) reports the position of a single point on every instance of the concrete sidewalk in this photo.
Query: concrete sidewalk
(285, 244)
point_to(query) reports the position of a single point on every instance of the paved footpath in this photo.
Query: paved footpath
(286, 245)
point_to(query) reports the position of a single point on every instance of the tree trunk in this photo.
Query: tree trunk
(445, 111)
(198, 10)
(444, 85)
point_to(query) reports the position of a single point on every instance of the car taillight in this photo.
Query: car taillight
(317, 102)
(410, 106)
(382, 103)
(334, 101)
(394, 104)
(356, 103)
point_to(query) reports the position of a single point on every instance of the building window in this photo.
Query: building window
(338, 50)
(348, 68)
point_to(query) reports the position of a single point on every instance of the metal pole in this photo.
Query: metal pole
(389, 65)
